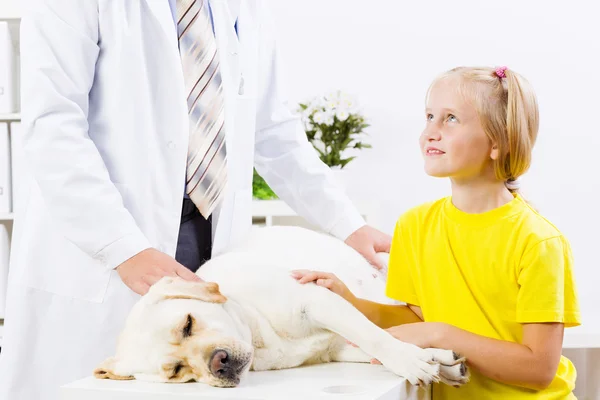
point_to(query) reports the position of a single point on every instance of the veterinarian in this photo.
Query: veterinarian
(143, 120)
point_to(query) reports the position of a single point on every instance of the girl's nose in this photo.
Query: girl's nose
(432, 133)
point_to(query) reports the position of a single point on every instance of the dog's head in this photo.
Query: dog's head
(180, 331)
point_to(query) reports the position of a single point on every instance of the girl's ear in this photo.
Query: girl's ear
(494, 153)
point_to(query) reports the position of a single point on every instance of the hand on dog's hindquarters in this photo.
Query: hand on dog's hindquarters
(369, 241)
(148, 267)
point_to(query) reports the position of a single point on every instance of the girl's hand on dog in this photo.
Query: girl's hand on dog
(326, 280)
(422, 334)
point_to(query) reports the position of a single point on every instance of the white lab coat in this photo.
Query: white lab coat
(105, 123)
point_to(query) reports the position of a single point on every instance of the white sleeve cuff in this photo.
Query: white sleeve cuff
(347, 225)
(122, 249)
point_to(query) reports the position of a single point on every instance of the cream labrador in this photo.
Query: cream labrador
(250, 314)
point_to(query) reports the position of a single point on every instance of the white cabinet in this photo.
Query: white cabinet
(10, 12)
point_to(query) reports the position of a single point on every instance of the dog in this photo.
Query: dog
(250, 314)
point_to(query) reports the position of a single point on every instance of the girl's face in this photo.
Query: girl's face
(454, 143)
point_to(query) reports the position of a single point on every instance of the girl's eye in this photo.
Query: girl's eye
(429, 117)
(452, 118)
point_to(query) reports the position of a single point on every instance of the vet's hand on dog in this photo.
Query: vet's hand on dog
(326, 280)
(369, 241)
(149, 266)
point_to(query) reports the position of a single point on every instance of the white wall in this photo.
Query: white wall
(386, 53)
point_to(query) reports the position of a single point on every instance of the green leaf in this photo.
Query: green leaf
(346, 161)
(260, 189)
(319, 151)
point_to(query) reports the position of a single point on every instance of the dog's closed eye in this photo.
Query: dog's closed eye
(177, 370)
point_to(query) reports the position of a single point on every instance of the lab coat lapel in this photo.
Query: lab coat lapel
(162, 13)
(227, 43)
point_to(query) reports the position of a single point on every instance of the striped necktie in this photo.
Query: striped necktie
(206, 174)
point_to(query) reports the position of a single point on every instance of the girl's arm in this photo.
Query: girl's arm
(382, 315)
(386, 315)
(531, 364)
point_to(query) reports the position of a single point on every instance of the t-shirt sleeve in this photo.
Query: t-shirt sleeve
(401, 267)
(547, 291)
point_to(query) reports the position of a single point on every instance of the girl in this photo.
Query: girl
(490, 277)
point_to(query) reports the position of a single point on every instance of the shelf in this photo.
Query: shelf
(10, 117)
(10, 10)
(7, 216)
(580, 338)
(271, 208)
(278, 208)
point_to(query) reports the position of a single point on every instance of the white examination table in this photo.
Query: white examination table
(343, 381)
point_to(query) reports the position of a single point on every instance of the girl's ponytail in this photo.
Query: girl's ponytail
(522, 122)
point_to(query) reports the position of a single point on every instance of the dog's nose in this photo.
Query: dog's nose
(220, 364)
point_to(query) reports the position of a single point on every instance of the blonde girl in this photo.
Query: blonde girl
(481, 271)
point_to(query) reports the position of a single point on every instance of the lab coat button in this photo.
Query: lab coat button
(171, 145)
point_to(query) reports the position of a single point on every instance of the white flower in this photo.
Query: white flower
(313, 106)
(319, 117)
(332, 104)
(332, 96)
(328, 117)
(342, 115)
(318, 102)
(318, 134)
(310, 114)
(347, 103)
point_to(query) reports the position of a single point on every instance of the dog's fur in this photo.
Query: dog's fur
(251, 314)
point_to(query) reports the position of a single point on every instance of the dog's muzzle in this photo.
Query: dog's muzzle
(227, 368)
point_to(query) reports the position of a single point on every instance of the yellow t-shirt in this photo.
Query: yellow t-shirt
(486, 273)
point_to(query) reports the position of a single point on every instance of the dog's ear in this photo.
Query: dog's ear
(109, 369)
(178, 288)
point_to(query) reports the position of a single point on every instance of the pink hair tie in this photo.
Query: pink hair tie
(500, 72)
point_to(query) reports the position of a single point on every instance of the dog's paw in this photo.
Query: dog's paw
(453, 368)
(416, 365)
(445, 357)
(455, 375)
(417, 372)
